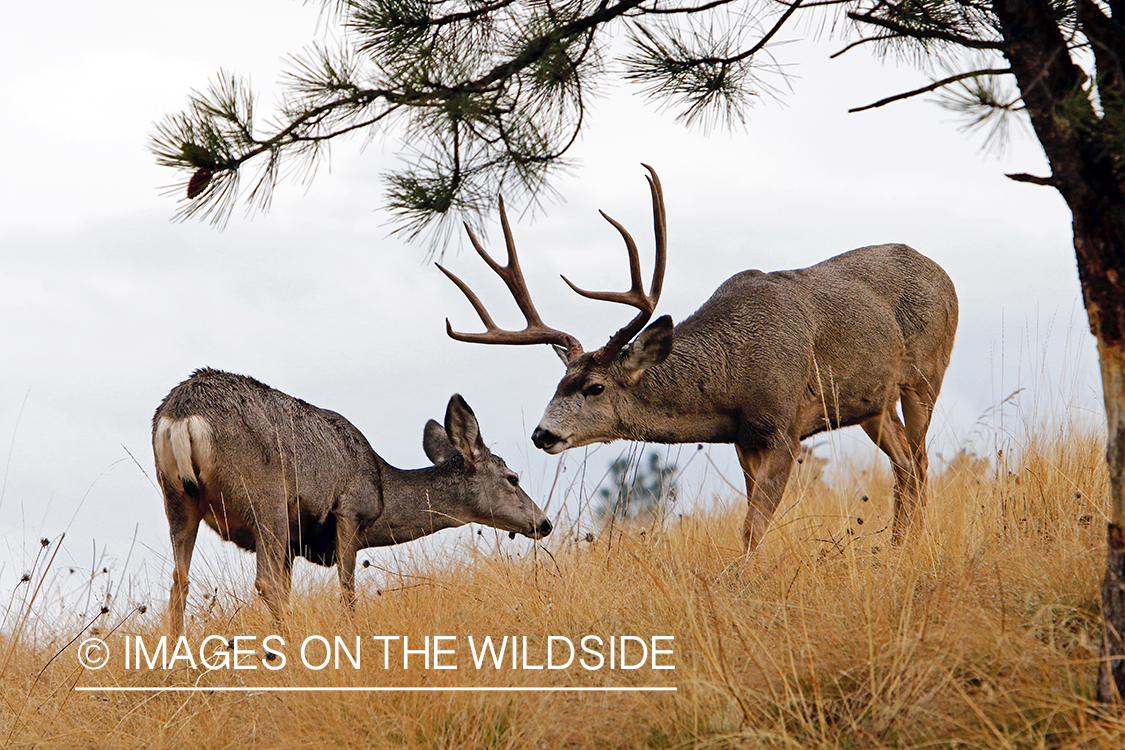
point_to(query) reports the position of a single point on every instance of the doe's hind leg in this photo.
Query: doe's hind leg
(183, 527)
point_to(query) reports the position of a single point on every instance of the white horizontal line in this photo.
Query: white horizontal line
(244, 689)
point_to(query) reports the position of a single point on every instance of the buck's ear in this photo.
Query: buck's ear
(463, 431)
(562, 352)
(651, 347)
(436, 444)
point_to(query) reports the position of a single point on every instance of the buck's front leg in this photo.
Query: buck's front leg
(767, 472)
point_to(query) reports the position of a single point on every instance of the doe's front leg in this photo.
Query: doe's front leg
(273, 575)
(347, 545)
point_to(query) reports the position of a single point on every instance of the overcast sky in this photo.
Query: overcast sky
(105, 303)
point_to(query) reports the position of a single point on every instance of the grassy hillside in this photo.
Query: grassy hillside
(982, 634)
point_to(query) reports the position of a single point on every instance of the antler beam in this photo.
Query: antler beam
(536, 332)
(635, 296)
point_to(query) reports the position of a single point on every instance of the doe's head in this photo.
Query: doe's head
(491, 492)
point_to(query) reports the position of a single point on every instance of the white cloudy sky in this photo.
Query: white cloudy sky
(105, 303)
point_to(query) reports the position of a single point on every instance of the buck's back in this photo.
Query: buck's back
(863, 288)
(914, 290)
(852, 324)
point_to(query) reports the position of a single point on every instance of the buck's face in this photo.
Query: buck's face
(595, 400)
(584, 408)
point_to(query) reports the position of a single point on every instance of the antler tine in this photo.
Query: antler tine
(512, 274)
(536, 332)
(485, 318)
(635, 296)
(660, 230)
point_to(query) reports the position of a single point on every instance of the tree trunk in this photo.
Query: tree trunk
(1111, 673)
(1099, 243)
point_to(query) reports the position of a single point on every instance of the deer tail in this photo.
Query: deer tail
(183, 449)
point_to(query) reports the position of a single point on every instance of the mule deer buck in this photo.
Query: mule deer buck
(768, 360)
(280, 477)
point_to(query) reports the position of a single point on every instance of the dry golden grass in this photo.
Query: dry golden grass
(982, 634)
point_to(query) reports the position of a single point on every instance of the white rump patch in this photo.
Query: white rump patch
(182, 445)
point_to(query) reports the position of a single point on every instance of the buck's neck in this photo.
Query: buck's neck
(417, 503)
(681, 400)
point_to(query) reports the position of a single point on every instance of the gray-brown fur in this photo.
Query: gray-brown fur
(768, 360)
(282, 478)
(773, 358)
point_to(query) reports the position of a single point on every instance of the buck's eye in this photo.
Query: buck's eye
(594, 390)
(514, 480)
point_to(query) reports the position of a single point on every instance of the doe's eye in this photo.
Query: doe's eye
(514, 480)
(594, 390)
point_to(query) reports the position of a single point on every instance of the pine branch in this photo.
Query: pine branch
(653, 10)
(1033, 179)
(865, 40)
(492, 92)
(538, 45)
(747, 53)
(206, 163)
(821, 3)
(1107, 39)
(922, 34)
(469, 15)
(432, 92)
(932, 87)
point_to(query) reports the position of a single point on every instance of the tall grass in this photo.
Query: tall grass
(983, 633)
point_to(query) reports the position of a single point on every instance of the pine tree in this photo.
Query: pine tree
(637, 492)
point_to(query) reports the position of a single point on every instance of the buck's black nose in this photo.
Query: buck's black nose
(544, 528)
(543, 439)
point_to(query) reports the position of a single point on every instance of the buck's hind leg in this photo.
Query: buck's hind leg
(917, 410)
(887, 431)
(183, 526)
(767, 472)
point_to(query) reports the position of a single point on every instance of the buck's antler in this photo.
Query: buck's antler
(536, 331)
(635, 296)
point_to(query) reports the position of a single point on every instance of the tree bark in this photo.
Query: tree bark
(1098, 208)
(1099, 243)
(1111, 673)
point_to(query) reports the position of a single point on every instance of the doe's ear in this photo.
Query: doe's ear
(463, 431)
(436, 444)
(651, 347)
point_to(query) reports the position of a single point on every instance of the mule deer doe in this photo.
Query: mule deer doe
(768, 360)
(282, 478)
